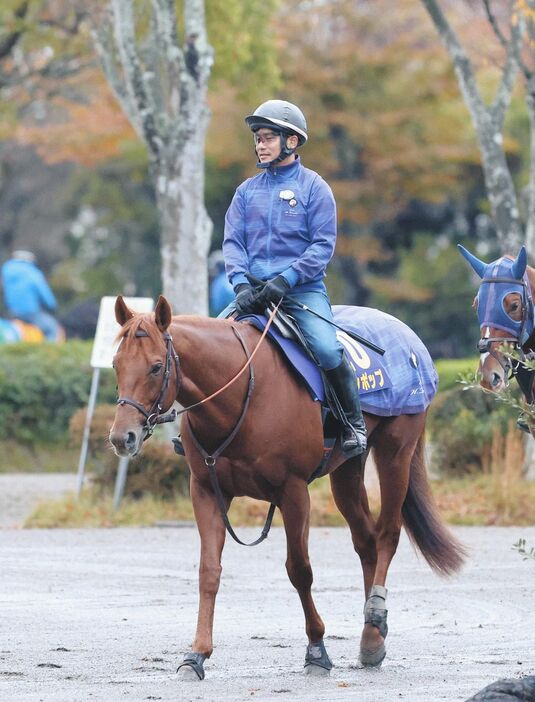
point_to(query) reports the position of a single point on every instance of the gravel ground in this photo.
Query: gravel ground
(106, 615)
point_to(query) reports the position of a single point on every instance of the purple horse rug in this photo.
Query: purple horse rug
(403, 381)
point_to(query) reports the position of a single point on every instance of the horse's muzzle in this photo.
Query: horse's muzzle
(125, 443)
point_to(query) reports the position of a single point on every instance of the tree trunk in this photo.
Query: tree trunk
(186, 229)
(530, 206)
(488, 124)
(161, 86)
(500, 190)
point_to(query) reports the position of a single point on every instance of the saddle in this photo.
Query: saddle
(333, 416)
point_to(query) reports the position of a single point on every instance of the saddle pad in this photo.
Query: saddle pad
(403, 381)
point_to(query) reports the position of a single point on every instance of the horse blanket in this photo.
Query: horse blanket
(402, 381)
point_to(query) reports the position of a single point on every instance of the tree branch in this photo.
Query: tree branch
(8, 43)
(135, 84)
(105, 52)
(507, 83)
(461, 63)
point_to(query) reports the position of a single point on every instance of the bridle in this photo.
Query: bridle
(512, 368)
(154, 416)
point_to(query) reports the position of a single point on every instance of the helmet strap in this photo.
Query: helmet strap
(284, 152)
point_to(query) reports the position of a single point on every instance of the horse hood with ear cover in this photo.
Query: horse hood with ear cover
(500, 278)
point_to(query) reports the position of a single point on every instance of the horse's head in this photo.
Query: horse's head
(505, 312)
(144, 364)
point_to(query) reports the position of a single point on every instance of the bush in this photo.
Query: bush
(449, 371)
(42, 386)
(461, 423)
(158, 470)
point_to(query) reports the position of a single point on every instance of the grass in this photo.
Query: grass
(54, 458)
(472, 500)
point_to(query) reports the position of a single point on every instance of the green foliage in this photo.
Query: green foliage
(41, 386)
(114, 240)
(245, 46)
(461, 424)
(450, 371)
(432, 292)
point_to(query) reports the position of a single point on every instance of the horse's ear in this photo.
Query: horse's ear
(476, 264)
(519, 266)
(163, 313)
(122, 313)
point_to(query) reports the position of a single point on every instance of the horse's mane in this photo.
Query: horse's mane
(140, 322)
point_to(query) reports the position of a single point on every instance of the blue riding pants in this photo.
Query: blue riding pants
(320, 335)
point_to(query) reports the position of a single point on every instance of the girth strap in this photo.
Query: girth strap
(210, 459)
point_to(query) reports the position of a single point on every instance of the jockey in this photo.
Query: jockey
(281, 228)
(27, 294)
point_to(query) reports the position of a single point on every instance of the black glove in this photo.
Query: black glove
(246, 299)
(273, 291)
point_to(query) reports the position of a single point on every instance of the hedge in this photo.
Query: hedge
(42, 386)
(449, 371)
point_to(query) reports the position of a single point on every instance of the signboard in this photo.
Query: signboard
(104, 345)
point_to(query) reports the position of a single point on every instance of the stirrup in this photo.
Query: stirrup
(354, 441)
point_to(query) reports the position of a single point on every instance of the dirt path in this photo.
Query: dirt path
(106, 615)
(21, 492)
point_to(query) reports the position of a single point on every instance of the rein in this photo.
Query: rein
(210, 458)
(154, 416)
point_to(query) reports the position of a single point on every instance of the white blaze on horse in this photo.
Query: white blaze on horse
(504, 305)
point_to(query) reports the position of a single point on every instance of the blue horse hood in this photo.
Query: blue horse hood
(491, 296)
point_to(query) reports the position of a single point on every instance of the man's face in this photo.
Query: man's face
(267, 145)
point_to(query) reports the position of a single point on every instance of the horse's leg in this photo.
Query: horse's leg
(295, 509)
(347, 485)
(394, 446)
(212, 533)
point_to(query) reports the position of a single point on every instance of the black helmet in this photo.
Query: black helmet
(279, 115)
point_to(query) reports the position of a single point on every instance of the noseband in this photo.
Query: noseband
(154, 416)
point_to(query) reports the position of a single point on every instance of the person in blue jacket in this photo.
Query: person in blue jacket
(27, 295)
(281, 228)
(221, 292)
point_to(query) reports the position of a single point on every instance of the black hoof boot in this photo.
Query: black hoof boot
(375, 614)
(193, 662)
(317, 662)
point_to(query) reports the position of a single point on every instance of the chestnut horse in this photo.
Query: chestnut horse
(273, 441)
(504, 305)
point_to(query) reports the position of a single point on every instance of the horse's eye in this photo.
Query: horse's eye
(156, 368)
(514, 307)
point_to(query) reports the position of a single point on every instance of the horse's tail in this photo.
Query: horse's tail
(423, 523)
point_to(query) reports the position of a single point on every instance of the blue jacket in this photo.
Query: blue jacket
(25, 288)
(221, 294)
(281, 221)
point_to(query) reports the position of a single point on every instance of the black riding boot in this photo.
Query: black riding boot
(344, 385)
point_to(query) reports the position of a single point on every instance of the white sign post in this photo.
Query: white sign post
(104, 347)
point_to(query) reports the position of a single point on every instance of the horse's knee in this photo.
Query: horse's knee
(209, 578)
(299, 573)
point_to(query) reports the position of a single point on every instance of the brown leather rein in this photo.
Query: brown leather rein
(154, 416)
